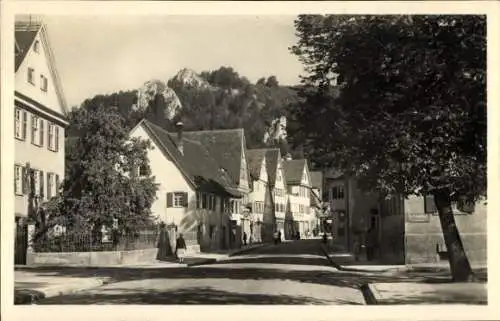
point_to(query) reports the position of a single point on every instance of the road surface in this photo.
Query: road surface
(289, 273)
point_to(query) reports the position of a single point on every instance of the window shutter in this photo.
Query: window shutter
(57, 184)
(185, 199)
(25, 123)
(57, 139)
(170, 199)
(33, 120)
(41, 131)
(42, 194)
(430, 206)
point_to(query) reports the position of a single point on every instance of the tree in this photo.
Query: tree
(102, 183)
(408, 114)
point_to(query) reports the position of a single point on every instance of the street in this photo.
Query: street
(290, 273)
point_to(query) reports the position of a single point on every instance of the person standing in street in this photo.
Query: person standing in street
(180, 248)
(245, 238)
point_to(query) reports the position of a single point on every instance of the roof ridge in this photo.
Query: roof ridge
(214, 130)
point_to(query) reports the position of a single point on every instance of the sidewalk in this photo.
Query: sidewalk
(211, 257)
(427, 293)
(29, 287)
(33, 283)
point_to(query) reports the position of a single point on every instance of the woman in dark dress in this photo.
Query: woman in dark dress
(180, 248)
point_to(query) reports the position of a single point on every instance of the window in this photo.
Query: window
(36, 130)
(338, 192)
(18, 123)
(42, 122)
(44, 84)
(177, 199)
(31, 76)
(51, 137)
(18, 179)
(258, 207)
(198, 200)
(143, 170)
(36, 46)
(204, 200)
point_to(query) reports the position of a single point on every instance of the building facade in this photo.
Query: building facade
(299, 215)
(277, 188)
(228, 149)
(39, 123)
(262, 221)
(194, 195)
(408, 229)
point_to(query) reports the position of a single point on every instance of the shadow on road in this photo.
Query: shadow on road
(197, 295)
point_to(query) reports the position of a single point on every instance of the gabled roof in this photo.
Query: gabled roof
(272, 158)
(317, 179)
(255, 158)
(225, 146)
(196, 163)
(25, 34)
(293, 170)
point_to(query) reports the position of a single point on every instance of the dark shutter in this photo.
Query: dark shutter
(42, 188)
(56, 147)
(42, 122)
(430, 206)
(185, 199)
(57, 184)
(25, 122)
(170, 199)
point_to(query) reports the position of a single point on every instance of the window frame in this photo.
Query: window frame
(18, 181)
(177, 199)
(31, 76)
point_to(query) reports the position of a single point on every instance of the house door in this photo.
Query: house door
(21, 242)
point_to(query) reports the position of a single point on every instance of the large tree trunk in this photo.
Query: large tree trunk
(459, 263)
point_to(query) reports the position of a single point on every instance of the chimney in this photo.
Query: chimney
(180, 144)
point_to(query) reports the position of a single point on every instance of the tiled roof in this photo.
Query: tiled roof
(196, 162)
(272, 158)
(293, 170)
(25, 33)
(225, 146)
(317, 179)
(255, 157)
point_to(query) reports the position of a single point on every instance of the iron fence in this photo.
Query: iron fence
(95, 242)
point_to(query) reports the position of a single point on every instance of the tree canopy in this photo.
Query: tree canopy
(399, 102)
(102, 183)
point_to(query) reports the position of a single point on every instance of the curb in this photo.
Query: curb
(369, 293)
(29, 296)
(249, 249)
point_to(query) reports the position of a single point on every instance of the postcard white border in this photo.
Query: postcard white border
(133, 312)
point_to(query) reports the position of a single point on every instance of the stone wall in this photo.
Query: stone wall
(93, 258)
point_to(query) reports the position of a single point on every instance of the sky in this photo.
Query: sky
(104, 54)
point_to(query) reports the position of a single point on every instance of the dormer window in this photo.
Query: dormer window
(36, 46)
(31, 76)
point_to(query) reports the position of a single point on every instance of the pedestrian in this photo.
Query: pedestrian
(180, 248)
(245, 238)
(279, 236)
(275, 236)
